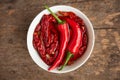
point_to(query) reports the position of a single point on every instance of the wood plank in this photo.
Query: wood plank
(15, 61)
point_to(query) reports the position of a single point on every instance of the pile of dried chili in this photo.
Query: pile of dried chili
(60, 39)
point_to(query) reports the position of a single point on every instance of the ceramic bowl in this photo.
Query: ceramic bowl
(78, 63)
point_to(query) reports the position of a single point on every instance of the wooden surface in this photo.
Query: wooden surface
(15, 61)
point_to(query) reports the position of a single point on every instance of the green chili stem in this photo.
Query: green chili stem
(69, 55)
(56, 17)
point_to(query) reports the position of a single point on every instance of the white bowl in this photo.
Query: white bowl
(91, 39)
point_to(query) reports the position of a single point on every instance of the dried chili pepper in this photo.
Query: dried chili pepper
(75, 41)
(63, 29)
(45, 39)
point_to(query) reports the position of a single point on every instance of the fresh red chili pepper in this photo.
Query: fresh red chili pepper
(75, 41)
(63, 29)
(78, 20)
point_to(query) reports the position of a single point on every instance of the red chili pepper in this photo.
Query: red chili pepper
(75, 41)
(63, 29)
(45, 39)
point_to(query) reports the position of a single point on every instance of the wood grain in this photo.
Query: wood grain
(15, 18)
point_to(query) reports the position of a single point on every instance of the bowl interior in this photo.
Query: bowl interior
(33, 53)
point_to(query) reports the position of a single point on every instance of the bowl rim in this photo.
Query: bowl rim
(91, 49)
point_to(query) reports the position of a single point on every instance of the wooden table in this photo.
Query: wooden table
(15, 61)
